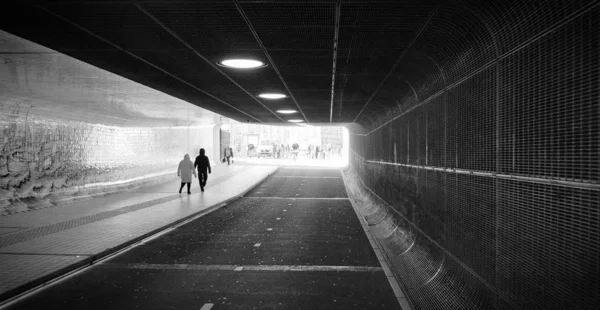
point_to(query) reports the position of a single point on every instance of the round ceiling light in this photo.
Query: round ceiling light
(286, 111)
(272, 96)
(239, 63)
(295, 121)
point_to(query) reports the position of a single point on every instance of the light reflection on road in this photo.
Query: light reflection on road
(301, 161)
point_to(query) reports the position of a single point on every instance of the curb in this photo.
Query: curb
(16, 293)
(403, 300)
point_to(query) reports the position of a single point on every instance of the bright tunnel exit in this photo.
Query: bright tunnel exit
(300, 145)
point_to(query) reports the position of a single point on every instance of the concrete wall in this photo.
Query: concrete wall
(68, 128)
(484, 185)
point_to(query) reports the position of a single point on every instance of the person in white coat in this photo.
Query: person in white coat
(185, 171)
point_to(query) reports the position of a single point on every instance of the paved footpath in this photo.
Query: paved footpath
(40, 245)
(293, 242)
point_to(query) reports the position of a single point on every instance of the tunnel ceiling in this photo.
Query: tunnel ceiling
(339, 61)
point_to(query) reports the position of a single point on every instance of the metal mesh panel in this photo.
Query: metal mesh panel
(550, 129)
(436, 110)
(514, 22)
(433, 197)
(413, 137)
(357, 91)
(432, 277)
(517, 214)
(401, 139)
(385, 143)
(401, 91)
(372, 37)
(548, 245)
(421, 135)
(471, 219)
(466, 48)
(471, 124)
(422, 72)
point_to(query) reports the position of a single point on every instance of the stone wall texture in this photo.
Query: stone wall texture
(70, 129)
(59, 158)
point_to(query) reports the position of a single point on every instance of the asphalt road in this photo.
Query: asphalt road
(294, 242)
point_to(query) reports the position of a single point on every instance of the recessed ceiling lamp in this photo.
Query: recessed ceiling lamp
(295, 121)
(240, 63)
(286, 111)
(272, 96)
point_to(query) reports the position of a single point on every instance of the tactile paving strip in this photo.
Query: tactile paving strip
(37, 232)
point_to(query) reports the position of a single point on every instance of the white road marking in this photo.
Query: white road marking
(297, 268)
(299, 198)
(284, 210)
(297, 177)
(278, 218)
(269, 229)
(207, 306)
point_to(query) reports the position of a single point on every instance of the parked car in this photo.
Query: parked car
(265, 148)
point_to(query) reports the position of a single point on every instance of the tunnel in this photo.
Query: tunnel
(473, 154)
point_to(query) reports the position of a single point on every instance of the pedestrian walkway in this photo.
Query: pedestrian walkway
(40, 245)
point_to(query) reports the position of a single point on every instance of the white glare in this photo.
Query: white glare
(286, 111)
(295, 121)
(272, 96)
(242, 63)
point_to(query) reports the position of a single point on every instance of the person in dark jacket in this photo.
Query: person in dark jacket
(203, 165)
(228, 154)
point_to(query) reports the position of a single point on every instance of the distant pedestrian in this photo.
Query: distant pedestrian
(228, 154)
(185, 171)
(203, 165)
(295, 150)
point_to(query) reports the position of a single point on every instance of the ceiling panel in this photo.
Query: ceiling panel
(378, 40)
(293, 25)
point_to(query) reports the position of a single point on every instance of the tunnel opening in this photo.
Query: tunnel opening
(302, 145)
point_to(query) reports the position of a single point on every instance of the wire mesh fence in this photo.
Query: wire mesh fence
(495, 177)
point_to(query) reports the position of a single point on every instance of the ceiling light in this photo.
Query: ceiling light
(286, 111)
(242, 63)
(295, 121)
(271, 96)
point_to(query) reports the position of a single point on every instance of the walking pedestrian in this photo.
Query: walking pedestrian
(185, 171)
(295, 150)
(203, 165)
(228, 154)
